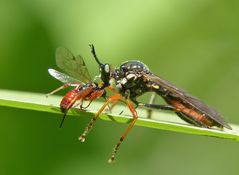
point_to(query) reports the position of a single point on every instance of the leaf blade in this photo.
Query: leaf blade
(165, 121)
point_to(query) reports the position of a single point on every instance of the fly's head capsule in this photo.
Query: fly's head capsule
(104, 68)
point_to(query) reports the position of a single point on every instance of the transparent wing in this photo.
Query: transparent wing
(66, 79)
(72, 65)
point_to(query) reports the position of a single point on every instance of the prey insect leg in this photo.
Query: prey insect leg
(88, 128)
(135, 115)
(94, 95)
(58, 89)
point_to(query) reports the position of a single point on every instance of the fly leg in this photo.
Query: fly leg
(135, 115)
(156, 106)
(151, 101)
(88, 128)
(111, 107)
(112, 89)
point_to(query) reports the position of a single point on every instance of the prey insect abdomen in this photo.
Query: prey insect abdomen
(68, 100)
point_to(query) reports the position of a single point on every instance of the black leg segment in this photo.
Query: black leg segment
(155, 106)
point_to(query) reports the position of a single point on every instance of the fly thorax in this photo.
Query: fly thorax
(130, 78)
(131, 83)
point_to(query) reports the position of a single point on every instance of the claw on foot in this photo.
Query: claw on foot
(82, 138)
(111, 160)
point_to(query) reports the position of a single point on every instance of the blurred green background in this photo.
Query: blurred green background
(194, 44)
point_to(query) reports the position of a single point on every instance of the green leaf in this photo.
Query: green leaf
(160, 119)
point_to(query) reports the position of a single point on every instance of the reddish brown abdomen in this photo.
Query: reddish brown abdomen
(68, 100)
(195, 115)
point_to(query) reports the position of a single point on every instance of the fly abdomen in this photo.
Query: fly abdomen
(198, 117)
(192, 115)
(68, 100)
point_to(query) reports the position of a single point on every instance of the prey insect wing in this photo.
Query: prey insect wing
(64, 78)
(72, 65)
(183, 96)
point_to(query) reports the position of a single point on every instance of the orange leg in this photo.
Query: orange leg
(134, 113)
(57, 90)
(88, 128)
(112, 89)
(94, 95)
(111, 107)
(85, 107)
(114, 104)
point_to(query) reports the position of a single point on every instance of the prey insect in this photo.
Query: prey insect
(76, 76)
(128, 82)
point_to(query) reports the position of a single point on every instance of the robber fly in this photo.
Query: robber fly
(128, 82)
(134, 78)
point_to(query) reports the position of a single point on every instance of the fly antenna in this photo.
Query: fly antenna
(94, 54)
(62, 121)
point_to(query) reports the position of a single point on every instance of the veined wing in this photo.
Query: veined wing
(72, 65)
(189, 99)
(64, 78)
